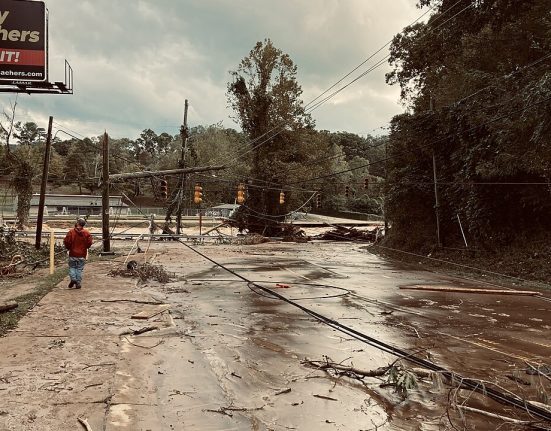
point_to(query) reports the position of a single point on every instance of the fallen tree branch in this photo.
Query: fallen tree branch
(323, 397)
(139, 331)
(321, 365)
(144, 347)
(85, 424)
(133, 300)
(495, 415)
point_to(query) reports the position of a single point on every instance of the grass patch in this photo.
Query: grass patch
(9, 319)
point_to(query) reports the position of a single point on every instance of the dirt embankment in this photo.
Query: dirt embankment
(517, 264)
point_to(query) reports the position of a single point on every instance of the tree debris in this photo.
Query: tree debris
(467, 290)
(341, 233)
(144, 273)
(140, 331)
(85, 424)
(323, 397)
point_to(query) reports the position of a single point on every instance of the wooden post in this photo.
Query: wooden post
(105, 196)
(184, 134)
(436, 197)
(436, 201)
(45, 167)
(52, 250)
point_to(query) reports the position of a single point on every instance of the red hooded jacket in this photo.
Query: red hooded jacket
(77, 241)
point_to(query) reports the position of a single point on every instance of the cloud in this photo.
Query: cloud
(136, 61)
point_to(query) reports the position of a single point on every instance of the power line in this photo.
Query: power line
(423, 146)
(319, 103)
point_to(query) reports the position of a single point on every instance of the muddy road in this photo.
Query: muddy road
(219, 354)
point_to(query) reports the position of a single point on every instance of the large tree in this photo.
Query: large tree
(266, 98)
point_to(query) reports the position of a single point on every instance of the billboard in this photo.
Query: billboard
(23, 41)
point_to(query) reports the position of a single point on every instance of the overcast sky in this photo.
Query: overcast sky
(135, 61)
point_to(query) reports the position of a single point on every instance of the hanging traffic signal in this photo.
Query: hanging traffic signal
(240, 193)
(163, 187)
(281, 198)
(366, 183)
(318, 201)
(347, 191)
(198, 195)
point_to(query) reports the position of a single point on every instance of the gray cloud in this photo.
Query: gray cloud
(136, 61)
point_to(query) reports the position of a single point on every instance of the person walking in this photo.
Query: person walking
(78, 240)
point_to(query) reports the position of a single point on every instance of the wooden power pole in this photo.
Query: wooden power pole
(184, 134)
(105, 197)
(42, 201)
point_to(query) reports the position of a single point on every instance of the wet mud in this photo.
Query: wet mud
(225, 357)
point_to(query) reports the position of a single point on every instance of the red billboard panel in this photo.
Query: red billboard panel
(23, 41)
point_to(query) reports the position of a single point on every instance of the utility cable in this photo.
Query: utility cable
(319, 103)
(423, 146)
(475, 385)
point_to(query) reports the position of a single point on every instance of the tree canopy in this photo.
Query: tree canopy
(483, 68)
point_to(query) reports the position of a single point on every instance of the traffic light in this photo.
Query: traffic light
(281, 198)
(163, 187)
(366, 183)
(346, 191)
(318, 200)
(198, 195)
(240, 193)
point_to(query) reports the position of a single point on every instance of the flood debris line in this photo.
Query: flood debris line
(144, 272)
(451, 289)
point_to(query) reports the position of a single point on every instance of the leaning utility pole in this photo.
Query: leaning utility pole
(42, 201)
(436, 197)
(184, 134)
(105, 197)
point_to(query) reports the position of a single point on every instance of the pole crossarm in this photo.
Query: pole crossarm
(147, 174)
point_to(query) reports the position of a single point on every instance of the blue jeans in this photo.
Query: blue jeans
(76, 265)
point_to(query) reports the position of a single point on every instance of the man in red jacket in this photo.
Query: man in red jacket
(78, 240)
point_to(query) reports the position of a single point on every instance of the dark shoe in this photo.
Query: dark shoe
(71, 284)
(78, 286)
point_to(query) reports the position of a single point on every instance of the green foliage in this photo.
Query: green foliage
(491, 123)
(28, 133)
(265, 97)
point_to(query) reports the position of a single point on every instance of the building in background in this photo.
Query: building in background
(80, 205)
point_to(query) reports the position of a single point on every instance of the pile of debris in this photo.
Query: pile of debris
(17, 255)
(144, 272)
(341, 233)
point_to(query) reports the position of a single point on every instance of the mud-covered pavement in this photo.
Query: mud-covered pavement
(226, 358)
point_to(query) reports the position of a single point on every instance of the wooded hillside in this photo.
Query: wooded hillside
(478, 92)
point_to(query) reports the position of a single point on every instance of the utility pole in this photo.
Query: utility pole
(384, 196)
(105, 197)
(42, 201)
(184, 134)
(436, 197)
